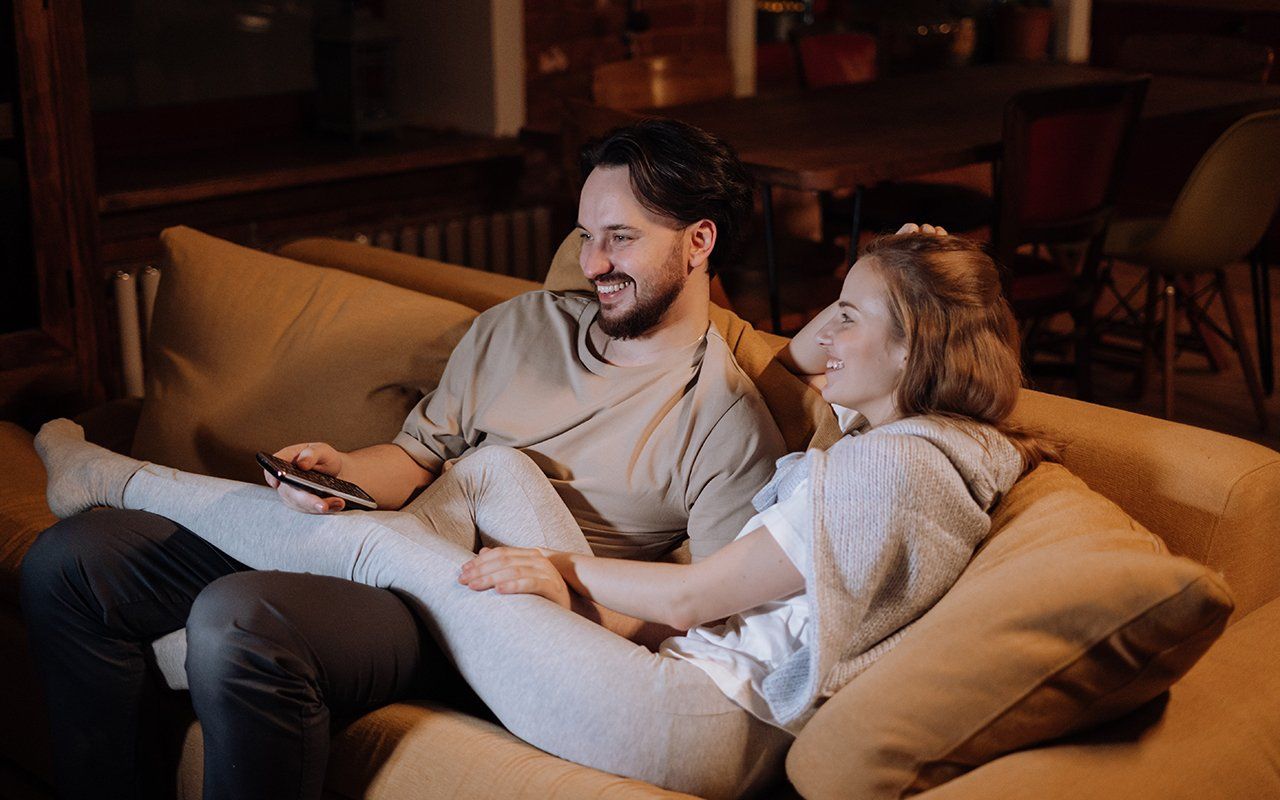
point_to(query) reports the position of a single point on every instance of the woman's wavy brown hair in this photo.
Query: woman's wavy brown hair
(945, 301)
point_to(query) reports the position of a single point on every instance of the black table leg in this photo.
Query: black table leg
(771, 258)
(855, 232)
(1262, 318)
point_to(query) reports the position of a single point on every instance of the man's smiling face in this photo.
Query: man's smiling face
(636, 260)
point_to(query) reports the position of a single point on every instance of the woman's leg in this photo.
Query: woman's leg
(494, 496)
(555, 679)
(574, 689)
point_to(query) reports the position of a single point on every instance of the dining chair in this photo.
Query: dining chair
(1055, 189)
(836, 56)
(662, 81)
(1219, 58)
(834, 59)
(1219, 218)
(1197, 55)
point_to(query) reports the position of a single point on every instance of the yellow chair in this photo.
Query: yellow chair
(1219, 217)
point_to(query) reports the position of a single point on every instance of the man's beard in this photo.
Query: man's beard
(647, 311)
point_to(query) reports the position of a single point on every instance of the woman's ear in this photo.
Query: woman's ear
(702, 240)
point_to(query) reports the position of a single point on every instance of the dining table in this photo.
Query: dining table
(853, 136)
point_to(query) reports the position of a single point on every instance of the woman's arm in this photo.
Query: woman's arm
(802, 355)
(745, 573)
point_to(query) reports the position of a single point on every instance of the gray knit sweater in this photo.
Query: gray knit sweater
(897, 513)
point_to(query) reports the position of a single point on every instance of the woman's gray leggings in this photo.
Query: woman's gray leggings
(555, 679)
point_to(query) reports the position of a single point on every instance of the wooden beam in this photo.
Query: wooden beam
(54, 90)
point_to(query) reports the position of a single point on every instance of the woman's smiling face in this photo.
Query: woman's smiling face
(866, 357)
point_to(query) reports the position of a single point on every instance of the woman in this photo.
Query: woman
(851, 544)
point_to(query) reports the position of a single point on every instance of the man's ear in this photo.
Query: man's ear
(702, 240)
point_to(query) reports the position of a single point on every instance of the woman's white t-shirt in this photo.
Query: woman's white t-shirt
(740, 652)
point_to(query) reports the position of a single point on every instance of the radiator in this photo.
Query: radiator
(508, 242)
(135, 294)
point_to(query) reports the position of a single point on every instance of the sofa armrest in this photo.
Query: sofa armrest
(470, 287)
(1211, 497)
(24, 513)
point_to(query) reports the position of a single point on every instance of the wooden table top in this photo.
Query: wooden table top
(845, 136)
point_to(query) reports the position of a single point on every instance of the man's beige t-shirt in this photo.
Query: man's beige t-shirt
(638, 454)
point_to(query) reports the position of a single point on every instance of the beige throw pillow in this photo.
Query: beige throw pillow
(1070, 614)
(249, 351)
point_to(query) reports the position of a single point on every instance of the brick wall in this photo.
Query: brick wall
(566, 39)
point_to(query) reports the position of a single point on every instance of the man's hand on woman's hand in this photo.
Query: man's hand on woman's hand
(516, 570)
(313, 455)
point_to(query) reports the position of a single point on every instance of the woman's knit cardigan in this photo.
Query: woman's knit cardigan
(897, 513)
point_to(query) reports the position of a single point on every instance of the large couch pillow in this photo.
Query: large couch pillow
(1070, 614)
(249, 351)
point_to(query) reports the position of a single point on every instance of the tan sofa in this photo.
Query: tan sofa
(1041, 674)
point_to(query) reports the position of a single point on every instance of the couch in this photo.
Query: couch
(1116, 635)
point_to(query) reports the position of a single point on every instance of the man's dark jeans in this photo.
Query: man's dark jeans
(271, 656)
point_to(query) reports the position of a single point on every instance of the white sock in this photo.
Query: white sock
(81, 474)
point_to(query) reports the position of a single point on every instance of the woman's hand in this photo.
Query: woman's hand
(911, 227)
(516, 570)
(318, 456)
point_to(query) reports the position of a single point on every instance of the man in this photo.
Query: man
(627, 399)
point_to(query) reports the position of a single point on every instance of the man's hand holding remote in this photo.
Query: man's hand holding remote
(384, 471)
(318, 456)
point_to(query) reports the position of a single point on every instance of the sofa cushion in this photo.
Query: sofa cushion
(1070, 614)
(1217, 736)
(470, 287)
(424, 750)
(250, 351)
(23, 510)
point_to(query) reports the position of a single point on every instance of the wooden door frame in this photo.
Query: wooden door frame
(58, 135)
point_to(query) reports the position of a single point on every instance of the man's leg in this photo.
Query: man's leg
(272, 656)
(96, 589)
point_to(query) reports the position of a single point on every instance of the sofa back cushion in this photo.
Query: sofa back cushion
(1070, 614)
(470, 287)
(249, 351)
(1218, 735)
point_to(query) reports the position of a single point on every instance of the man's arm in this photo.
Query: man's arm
(733, 463)
(385, 471)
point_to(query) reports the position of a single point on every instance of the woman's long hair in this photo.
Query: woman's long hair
(945, 301)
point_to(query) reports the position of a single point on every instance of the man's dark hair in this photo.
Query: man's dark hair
(684, 174)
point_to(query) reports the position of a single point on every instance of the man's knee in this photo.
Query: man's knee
(236, 636)
(71, 555)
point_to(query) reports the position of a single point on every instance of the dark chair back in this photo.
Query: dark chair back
(832, 59)
(1199, 55)
(1058, 172)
